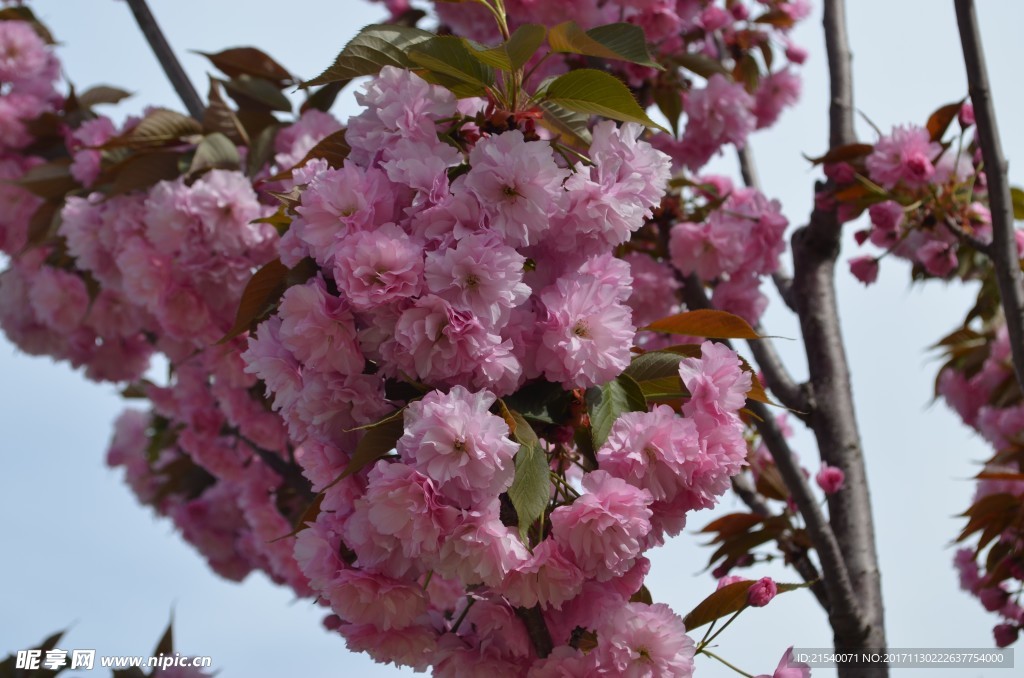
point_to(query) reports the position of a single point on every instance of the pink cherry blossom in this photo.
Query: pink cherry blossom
(604, 528)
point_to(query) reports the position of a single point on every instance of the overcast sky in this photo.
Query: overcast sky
(80, 553)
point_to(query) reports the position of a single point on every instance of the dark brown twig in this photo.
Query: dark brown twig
(1003, 251)
(172, 67)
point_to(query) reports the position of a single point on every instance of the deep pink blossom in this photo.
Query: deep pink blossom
(830, 479)
(761, 592)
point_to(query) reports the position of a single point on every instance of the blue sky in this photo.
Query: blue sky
(80, 553)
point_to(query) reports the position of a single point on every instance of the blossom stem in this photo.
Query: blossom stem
(715, 656)
(707, 641)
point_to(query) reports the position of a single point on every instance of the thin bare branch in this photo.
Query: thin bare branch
(777, 377)
(1004, 245)
(857, 624)
(172, 67)
(840, 73)
(784, 285)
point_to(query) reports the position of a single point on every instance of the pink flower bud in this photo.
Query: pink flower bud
(830, 479)
(966, 116)
(796, 53)
(762, 592)
(865, 269)
(1005, 634)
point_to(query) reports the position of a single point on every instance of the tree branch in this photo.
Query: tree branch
(536, 629)
(840, 74)
(1003, 252)
(172, 67)
(777, 377)
(857, 624)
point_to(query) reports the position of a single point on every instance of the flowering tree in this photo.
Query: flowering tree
(454, 366)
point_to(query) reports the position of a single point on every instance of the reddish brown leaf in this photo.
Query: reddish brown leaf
(263, 290)
(939, 121)
(705, 323)
(734, 523)
(843, 154)
(250, 61)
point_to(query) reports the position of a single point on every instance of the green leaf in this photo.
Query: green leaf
(451, 56)
(619, 41)
(570, 125)
(670, 103)
(324, 98)
(514, 52)
(726, 601)
(844, 153)
(657, 374)
(219, 117)
(596, 92)
(707, 323)
(531, 488)
(215, 151)
(607, 402)
(378, 439)
(1017, 195)
(373, 48)
(540, 401)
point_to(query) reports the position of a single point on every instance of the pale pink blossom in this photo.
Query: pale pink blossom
(906, 157)
(717, 382)
(645, 641)
(517, 184)
(788, 668)
(480, 275)
(548, 578)
(720, 113)
(650, 450)
(377, 267)
(319, 330)
(481, 550)
(585, 334)
(605, 527)
(361, 597)
(454, 440)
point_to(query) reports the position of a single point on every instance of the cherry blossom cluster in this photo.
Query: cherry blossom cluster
(980, 386)
(722, 59)
(454, 267)
(471, 265)
(926, 200)
(735, 242)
